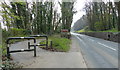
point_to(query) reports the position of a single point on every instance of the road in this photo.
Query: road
(97, 53)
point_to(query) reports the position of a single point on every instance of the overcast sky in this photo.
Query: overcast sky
(79, 5)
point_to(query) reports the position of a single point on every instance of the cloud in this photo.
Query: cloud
(78, 7)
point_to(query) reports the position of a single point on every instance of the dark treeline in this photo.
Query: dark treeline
(103, 16)
(37, 17)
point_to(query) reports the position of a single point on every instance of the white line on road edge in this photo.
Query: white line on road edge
(81, 53)
(107, 46)
(80, 40)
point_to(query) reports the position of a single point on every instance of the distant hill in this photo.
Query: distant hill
(80, 24)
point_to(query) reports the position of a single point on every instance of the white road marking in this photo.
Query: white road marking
(80, 40)
(94, 40)
(107, 46)
(75, 33)
(91, 39)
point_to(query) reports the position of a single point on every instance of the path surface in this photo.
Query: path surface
(98, 53)
(47, 59)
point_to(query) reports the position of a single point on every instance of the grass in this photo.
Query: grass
(58, 43)
(3, 47)
(0, 51)
(62, 44)
(0, 46)
(112, 30)
(82, 30)
(44, 42)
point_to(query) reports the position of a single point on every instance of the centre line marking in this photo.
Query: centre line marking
(107, 46)
(91, 39)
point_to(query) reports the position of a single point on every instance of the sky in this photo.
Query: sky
(79, 5)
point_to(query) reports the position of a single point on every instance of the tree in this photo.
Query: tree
(38, 17)
(118, 9)
(8, 16)
(67, 14)
(101, 15)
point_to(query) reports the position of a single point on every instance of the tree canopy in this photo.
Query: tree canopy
(38, 17)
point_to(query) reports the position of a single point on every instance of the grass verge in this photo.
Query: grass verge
(58, 43)
(112, 30)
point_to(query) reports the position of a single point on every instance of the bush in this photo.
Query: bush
(12, 32)
(19, 32)
(99, 26)
(5, 34)
(15, 32)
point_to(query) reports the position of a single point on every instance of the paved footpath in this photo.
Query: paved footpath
(47, 59)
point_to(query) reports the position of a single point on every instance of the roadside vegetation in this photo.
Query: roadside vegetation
(23, 19)
(111, 30)
(58, 44)
(102, 17)
(13, 32)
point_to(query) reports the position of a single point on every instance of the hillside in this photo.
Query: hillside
(80, 24)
